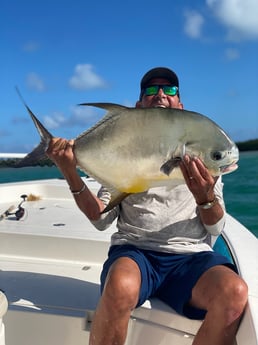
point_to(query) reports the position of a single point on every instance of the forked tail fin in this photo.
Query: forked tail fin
(40, 151)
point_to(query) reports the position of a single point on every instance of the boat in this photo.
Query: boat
(51, 257)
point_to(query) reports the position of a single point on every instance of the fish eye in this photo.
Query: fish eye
(216, 155)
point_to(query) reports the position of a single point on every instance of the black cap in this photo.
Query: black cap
(160, 72)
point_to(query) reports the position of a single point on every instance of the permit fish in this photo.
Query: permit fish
(133, 149)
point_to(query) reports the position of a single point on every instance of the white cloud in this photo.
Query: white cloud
(80, 116)
(239, 16)
(30, 46)
(84, 78)
(84, 115)
(193, 24)
(54, 121)
(232, 54)
(35, 82)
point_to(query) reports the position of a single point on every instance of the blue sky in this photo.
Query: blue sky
(61, 53)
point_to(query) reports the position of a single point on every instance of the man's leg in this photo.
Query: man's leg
(224, 295)
(119, 298)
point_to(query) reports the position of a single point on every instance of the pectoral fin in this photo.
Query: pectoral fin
(173, 161)
(170, 165)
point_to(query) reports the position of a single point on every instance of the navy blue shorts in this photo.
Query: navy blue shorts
(170, 277)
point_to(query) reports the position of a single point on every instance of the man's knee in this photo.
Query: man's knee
(222, 292)
(234, 299)
(123, 284)
(230, 298)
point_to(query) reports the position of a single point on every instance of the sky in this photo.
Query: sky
(62, 53)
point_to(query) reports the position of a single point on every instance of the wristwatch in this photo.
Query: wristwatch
(209, 204)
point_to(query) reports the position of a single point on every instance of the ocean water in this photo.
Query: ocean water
(241, 191)
(240, 187)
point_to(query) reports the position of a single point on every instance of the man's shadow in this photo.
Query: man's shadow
(45, 292)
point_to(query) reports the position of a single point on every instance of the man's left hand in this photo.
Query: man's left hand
(198, 179)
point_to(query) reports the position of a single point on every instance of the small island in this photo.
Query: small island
(12, 162)
(249, 145)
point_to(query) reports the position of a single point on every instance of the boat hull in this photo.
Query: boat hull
(50, 263)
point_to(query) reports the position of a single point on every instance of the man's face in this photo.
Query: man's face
(160, 100)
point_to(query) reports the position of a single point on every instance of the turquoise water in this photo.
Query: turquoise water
(240, 189)
(29, 173)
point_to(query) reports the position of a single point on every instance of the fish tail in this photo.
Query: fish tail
(40, 151)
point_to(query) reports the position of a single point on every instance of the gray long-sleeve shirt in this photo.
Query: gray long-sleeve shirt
(161, 219)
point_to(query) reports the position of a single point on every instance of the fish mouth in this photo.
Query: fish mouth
(226, 169)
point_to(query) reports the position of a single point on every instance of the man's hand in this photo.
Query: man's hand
(198, 179)
(60, 151)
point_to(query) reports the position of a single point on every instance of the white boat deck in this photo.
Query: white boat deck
(50, 263)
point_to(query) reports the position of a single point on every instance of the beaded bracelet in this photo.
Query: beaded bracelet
(78, 192)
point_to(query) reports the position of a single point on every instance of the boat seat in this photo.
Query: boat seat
(45, 293)
(157, 312)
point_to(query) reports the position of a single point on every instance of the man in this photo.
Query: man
(160, 233)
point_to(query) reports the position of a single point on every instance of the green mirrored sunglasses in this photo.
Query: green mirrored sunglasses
(154, 89)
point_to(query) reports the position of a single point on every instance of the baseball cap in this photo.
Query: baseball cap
(159, 72)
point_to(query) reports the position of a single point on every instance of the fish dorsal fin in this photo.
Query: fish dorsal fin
(112, 107)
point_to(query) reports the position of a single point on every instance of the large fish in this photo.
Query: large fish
(131, 150)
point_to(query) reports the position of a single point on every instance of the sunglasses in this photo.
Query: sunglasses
(168, 90)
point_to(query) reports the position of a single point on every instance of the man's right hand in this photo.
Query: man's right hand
(60, 151)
